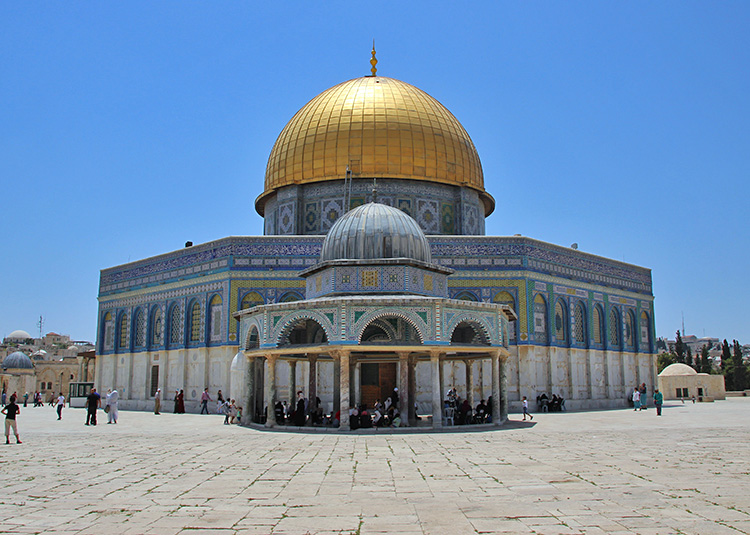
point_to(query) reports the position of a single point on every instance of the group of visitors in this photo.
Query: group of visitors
(554, 404)
(460, 412)
(639, 398)
(94, 402)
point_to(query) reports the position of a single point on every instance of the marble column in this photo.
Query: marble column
(357, 384)
(437, 390)
(496, 418)
(469, 363)
(503, 369)
(292, 381)
(270, 398)
(343, 358)
(337, 384)
(412, 389)
(404, 399)
(312, 379)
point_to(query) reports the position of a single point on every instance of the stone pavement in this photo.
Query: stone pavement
(589, 472)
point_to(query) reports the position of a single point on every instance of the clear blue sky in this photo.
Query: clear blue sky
(128, 128)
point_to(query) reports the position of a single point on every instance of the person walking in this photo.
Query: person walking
(658, 401)
(157, 401)
(25, 399)
(636, 399)
(10, 411)
(112, 414)
(60, 405)
(644, 397)
(3, 398)
(205, 398)
(526, 409)
(93, 402)
(179, 403)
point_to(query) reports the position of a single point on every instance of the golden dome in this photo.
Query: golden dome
(382, 128)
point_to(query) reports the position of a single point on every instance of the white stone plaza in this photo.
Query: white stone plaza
(614, 471)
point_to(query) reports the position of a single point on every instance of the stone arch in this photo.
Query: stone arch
(252, 340)
(466, 295)
(418, 326)
(194, 321)
(292, 321)
(470, 332)
(387, 329)
(479, 324)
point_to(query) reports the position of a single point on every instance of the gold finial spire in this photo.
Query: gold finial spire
(374, 60)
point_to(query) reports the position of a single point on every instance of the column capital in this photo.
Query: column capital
(338, 354)
(403, 355)
(436, 353)
(271, 357)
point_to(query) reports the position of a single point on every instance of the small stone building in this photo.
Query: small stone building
(680, 381)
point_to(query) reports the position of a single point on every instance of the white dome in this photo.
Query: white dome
(677, 369)
(73, 348)
(19, 335)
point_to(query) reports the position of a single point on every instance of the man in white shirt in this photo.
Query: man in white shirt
(60, 405)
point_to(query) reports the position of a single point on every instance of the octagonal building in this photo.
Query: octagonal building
(581, 325)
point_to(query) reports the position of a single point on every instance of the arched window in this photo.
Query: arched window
(195, 322)
(214, 317)
(614, 329)
(629, 330)
(290, 297)
(156, 327)
(579, 327)
(140, 328)
(540, 319)
(174, 324)
(561, 321)
(122, 331)
(250, 300)
(645, 333)
(108, 332)
(466, 296)
(505, 298)
(598, 325)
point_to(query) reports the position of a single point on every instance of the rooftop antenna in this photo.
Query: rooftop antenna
(683, 323)
(40, 324)
(373, 60)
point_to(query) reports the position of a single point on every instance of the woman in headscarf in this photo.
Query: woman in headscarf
(179, 404)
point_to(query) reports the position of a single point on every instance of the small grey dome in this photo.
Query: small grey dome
(19, 335)
(17, 360)
(375, 231)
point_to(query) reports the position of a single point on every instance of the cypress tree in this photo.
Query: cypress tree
(726, 365)
(679, 349)
(738, 368)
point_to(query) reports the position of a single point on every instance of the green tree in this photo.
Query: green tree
(679, 349)
(664, 360)
(689, 360)
(726, 365)
(739, 377)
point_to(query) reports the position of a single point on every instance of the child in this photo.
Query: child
(526, 409)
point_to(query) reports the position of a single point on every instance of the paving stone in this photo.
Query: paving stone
(571, 473)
